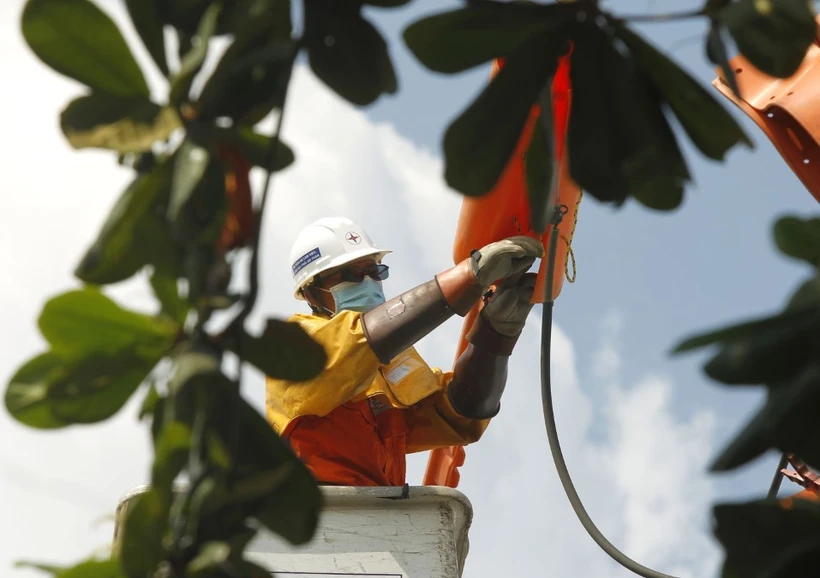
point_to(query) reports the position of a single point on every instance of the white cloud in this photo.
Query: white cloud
(643, 484)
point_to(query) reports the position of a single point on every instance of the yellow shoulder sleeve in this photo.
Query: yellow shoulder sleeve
(351, 368)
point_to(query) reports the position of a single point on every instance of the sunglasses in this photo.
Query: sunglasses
(378, 272)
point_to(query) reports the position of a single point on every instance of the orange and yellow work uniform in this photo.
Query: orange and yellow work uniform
(354, 423)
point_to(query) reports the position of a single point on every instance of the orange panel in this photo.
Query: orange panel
(505, 212)
(786, 110)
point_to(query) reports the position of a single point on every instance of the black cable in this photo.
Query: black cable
(549, 419)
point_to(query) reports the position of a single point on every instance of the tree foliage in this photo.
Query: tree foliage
(189, 206)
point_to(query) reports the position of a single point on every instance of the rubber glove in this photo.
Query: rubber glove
(505, 258)
(510, 305)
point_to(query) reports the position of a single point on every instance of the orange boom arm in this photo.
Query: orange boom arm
(505, 212)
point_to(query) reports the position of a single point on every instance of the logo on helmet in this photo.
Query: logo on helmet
(353, 238)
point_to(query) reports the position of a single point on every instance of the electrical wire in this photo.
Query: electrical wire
(549, 417)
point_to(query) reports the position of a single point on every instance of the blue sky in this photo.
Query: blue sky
(638, 427)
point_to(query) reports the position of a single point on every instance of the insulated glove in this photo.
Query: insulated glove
(505, 258)
(509, 306)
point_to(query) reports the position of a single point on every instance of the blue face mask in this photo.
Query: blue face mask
(361, 297)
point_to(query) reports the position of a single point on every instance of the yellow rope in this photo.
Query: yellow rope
(570, 253)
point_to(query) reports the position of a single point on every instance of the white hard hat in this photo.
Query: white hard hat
(327, 243)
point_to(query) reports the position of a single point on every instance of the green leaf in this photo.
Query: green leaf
(773, 35)
(146, 21)
(754, 534)
(84, 321)
(86, 569)
(251, 77)
(149, 402)
(95, 387)
(458, 40)
(710, 126)
(283, 351)
(186, 15)
(191, 63)
(716, 53)
(623, 146)
(496, 118)
(121, 123)
(210, 556)
(198, 202)
(766, 356)
(248, 569)
(780, 424)
(386, 3)
(251, 488)
(167, 291)
(799, 238)
(742, 331)
(143, 530)
(58, 33)
(170, 455)
(347, 52)
(806, 297)
(538, 164)
(134, 235)
(26, 397)
(251, 144)
(282, 493)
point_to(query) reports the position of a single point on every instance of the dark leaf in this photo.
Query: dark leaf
(170, 455)
(780, 424)
(145, 18)
(793, 560)
(347, 52)
(186, 15)
(283, 351)
(749, 329)
(167, 291)
(806, 297)
(198, 203)
(457, 40)
(143, 528)
(252, 145)
(754, 534)
(27, 391)
(95, 387)
(710, 126)
(134, 235)
(251, 77)
(799, 238)
(766, 356)
(149, 402)
(539, 168)
(593, 145)
(191, 63)
(282, 492)
(58, 33)
(86, 569)
(773, 35)
(478, 144)
(210, 556)
(249, 569)
(386, 3)
(716, 52)
(120, 123)
(86, 321)
(639, 153)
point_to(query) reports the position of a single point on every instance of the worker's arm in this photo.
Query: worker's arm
(460, 413)
(350, 369)
(402, 321)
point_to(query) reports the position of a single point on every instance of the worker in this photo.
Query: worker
(376, 399)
